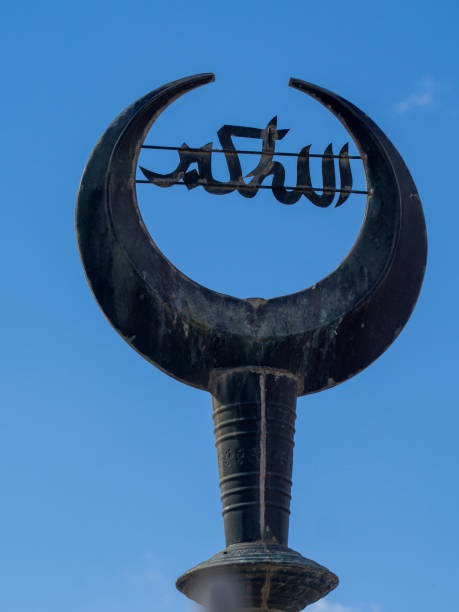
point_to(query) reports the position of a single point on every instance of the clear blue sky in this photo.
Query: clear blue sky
(108, 473)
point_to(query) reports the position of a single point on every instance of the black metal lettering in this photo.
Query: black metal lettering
(202, 176)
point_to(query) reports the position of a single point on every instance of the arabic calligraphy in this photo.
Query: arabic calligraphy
(202, 176)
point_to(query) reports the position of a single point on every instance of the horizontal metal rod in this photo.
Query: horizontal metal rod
(244, 152)
(237, 185)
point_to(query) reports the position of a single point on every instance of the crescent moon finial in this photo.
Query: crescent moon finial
(255, 356)
(323, 335)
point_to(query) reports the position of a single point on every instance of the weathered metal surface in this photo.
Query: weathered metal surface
(254, 415)
(255, 356)
(260, 576)
(323, 335)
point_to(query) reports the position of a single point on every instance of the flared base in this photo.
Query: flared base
(257, 576)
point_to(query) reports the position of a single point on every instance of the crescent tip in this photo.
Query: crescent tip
(208, 76)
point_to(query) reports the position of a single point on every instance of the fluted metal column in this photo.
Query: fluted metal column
(254, 413)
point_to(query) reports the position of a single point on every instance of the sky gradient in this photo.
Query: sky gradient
(108, 469)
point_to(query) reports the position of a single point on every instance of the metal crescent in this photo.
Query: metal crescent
(323, 335)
